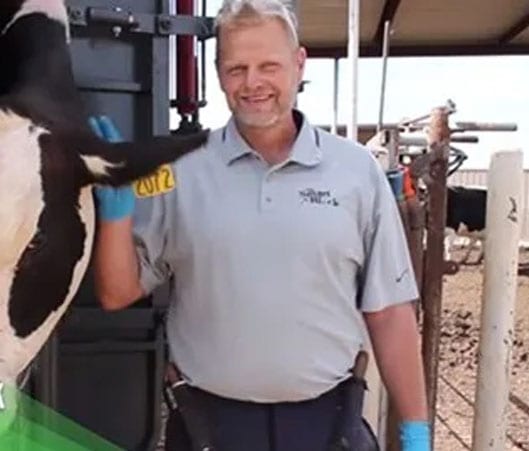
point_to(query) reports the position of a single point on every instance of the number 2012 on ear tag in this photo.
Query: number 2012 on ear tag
(160, 182)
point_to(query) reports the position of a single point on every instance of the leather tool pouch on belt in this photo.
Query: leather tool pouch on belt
(187, 425)
(351, 430)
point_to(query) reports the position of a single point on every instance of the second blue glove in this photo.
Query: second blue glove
(415, 436)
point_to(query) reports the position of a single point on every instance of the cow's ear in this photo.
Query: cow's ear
(120, 163)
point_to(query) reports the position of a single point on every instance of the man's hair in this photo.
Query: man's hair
(233, 11)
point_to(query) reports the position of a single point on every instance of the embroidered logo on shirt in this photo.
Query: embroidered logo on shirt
(313, 196)
(160, 182)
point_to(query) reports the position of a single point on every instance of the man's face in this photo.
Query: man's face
(259, 70)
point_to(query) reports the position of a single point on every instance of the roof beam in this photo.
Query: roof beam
(388, 13)
(515, 30)
(371, 50)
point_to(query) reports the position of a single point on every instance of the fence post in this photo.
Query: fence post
(503, 225)
(432, 282)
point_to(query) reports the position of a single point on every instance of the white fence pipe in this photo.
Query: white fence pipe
(503, 221)
(353, 53)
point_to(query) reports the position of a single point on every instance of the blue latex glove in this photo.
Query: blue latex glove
(415, 436)
(113, 203)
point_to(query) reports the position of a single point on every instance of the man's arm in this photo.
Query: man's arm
(116, 266)
(395, 339)
(115, 263)
(387, 283)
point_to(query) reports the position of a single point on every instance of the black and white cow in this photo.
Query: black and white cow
(49, 161)
(465, 216)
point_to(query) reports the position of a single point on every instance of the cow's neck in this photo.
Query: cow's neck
(38, 76)
(8, 10)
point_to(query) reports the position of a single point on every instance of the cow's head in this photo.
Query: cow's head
(35, 59)
(12, 10)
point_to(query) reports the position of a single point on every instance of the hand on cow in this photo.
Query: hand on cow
(415, 436)
(114, 204)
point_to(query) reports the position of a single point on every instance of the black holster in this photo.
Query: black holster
(351, 431)
(188, 424)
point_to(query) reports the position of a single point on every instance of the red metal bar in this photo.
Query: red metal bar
(186, 75)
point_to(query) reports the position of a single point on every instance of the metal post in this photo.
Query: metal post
(334, 129)
(385, 50)
(159, 80)
(416, 222)
(438, 146)
(392, 141)
(503, 219)
(186, 76)
(172, 55)
(353, 51)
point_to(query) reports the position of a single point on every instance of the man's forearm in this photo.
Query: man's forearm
(116, 265)
(395, 339)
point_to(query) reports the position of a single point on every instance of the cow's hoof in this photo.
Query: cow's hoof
(450, 267)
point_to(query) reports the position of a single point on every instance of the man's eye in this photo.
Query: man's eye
(270, 67)
(235, 70)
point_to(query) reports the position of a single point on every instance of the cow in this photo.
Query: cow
(465, 216)
(50, 160)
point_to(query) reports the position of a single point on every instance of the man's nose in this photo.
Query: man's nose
(253, 78)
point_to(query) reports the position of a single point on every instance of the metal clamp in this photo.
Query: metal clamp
(201, 27)
(156, 24)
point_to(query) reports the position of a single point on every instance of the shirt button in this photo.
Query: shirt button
(268, 199)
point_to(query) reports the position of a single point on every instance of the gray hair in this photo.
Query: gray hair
(234, 10)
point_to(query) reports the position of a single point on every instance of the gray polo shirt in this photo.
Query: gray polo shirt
(271, 265)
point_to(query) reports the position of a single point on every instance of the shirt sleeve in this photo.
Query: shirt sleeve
(151, 235)
(387, 276)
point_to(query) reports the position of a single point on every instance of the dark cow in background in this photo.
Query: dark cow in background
(465, 216)
(49, 160)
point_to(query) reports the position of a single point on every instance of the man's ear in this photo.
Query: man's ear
(219, 73)
(301, 58)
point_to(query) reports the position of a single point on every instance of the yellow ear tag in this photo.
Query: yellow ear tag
(160, 182)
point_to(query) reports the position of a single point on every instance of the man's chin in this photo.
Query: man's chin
(258, 120)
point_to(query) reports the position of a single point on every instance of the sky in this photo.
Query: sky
(484, 89)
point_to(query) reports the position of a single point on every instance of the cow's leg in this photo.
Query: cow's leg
(470, 245)
(450, 236)
(481, 251)
(473, 240)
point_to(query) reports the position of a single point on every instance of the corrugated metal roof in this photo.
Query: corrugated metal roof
(420, 27)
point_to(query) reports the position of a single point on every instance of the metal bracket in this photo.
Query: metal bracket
(202, 27)
(121, 20)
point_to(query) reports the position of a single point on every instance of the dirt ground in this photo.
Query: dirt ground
(458, 362)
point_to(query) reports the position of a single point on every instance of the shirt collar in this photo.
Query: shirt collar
(305, 151)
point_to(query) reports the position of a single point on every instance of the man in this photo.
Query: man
(274, 237)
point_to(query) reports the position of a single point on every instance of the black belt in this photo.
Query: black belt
(192, 405)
